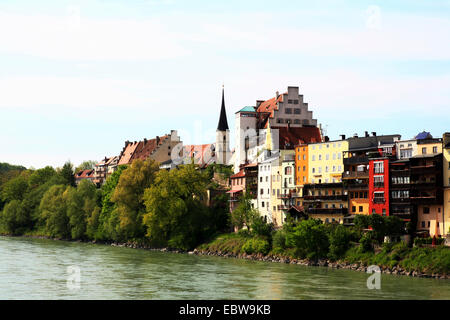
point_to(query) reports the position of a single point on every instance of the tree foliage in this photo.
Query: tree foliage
(310, 238)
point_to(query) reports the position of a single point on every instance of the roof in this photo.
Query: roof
(423, 135)
(127, 152)
(271, 104)
(84, 174)
(146, 147)
(240, 174)
(247, 109)
(289, 137)
(370, 143)
(223, 123)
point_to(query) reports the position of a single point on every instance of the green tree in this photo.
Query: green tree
(53, 210)
(129, 197)
(339, 238)
(310, 239)
(16, 188)
(67, 172)
(81, 204)
(14, 218)
(244, 214)
(176, 211)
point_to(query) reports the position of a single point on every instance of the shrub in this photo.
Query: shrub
(366, 243)
(279, 239)
(256, 245)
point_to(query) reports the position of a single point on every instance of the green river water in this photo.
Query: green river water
(37, 269)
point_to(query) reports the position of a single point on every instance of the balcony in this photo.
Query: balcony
(379, 200)
(357, 186)
(340, 197)
(355, 175)
(327, 210)
(378, 185)
(356, 160)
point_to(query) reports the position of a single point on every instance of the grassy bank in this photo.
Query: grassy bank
(388, 256)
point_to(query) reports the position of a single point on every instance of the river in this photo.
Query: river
(38, 269)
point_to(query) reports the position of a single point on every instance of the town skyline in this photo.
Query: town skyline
(77, 91)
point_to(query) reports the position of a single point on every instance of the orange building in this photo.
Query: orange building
(301, 172)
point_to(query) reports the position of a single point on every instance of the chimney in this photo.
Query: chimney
(374, 134)
(355, 135)
(343, 136)
(327, 139)
(157, 140)
(145, 141)
(277, 94)
(366, 134)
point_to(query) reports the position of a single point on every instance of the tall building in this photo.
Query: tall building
(222, 148)
(323, 194)
(283, 111)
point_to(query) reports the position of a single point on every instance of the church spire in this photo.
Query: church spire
(223, 123)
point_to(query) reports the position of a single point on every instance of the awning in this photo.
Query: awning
(235, 190)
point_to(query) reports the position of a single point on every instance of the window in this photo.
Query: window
(262, 204)
(360, 208)
(435, 150)
(426, 210)
(304, 168)
(379, 167)
(423, 224)
(288, 110)
(304, 158)
(262, 191)
(424, 150)
(320, 157)
(267, 178)
(313, 158)
(327, 157)
(297, 111)
(260, 179)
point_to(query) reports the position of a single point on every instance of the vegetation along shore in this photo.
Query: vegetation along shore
(141, 206)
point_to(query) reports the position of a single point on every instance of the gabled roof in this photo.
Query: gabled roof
(240, 174)
(84, 174)
(271, 104)
(289, 137)
(127, 152)
(146, 147)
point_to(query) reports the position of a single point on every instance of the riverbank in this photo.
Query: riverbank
(393, 258)
(270, 257)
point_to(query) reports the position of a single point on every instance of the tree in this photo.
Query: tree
(244, 214)
(13, 218)
(53, 210)
(16, 188)
(129, 197)
(67, 173)
(81, 203)
(339, 238)
(310, 239)
(176, 211)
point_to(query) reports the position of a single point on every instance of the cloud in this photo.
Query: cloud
(77, 37)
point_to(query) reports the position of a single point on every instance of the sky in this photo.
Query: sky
(79, 78)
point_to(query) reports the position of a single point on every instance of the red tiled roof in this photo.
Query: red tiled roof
(289, 137)
(84, 174)
(239, 174)
(145, 148)
(127, 152)
(270, 105)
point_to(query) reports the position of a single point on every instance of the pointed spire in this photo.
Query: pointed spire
(223, 123)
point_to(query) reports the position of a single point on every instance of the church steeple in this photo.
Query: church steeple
(223, 123)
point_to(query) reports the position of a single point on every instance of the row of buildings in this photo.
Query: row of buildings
(283, 160)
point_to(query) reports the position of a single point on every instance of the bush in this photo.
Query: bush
(429, 240)
(279, 239)
(366, 243)
(256, 245)
(259, 227)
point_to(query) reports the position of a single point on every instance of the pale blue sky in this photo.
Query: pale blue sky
(78, 78)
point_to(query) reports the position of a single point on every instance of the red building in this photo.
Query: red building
(379, 186)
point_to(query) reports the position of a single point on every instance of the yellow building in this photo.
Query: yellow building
(446, 176)
(323, 195)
